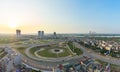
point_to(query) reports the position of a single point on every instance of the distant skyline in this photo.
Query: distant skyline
(61, 16)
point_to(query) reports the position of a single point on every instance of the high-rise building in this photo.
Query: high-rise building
(18, 33)
(54, 35)
(40, 34)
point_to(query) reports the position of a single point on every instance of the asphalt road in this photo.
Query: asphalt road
(47, 65)
(91, 53)
(86, 52)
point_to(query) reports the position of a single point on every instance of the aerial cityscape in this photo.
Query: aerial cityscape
(59, 36)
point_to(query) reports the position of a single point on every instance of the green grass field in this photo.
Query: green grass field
(47, 53)
(21, 50)
(1, 50)
(9, 39)
(33, 50)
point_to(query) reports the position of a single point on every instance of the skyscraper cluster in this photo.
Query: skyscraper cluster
(41, 34)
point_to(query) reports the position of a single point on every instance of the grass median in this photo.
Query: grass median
(74, 49)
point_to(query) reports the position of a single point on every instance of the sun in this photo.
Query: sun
(12, 25)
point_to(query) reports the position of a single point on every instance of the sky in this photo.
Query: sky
(61, 16)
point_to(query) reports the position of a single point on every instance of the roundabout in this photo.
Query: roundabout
(53, 52)
(49, 53)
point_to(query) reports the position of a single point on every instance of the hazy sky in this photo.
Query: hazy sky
(62, 16)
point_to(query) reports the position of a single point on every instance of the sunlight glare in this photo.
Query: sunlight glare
(13, 23)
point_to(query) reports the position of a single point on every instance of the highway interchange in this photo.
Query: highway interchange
(50, 65)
